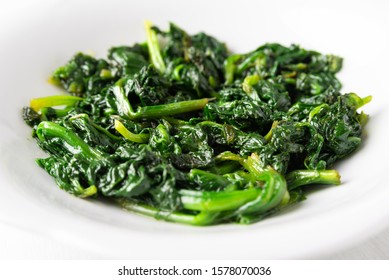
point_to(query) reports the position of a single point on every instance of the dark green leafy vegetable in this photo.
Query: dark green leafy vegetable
(129, 60)
(180, 130)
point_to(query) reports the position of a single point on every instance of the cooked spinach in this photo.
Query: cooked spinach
(187, 132)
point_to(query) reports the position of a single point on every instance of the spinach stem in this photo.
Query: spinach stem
(138, 138)
(300, 178)
(200, 219)
(154, 49)
(75, 144)
(56, 100)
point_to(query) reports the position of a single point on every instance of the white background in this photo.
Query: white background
(39, 227)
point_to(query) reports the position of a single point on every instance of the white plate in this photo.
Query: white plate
(38, 36)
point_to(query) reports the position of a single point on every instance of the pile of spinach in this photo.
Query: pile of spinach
(187, 132)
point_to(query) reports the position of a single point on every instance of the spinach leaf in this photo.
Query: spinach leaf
(179, 129)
